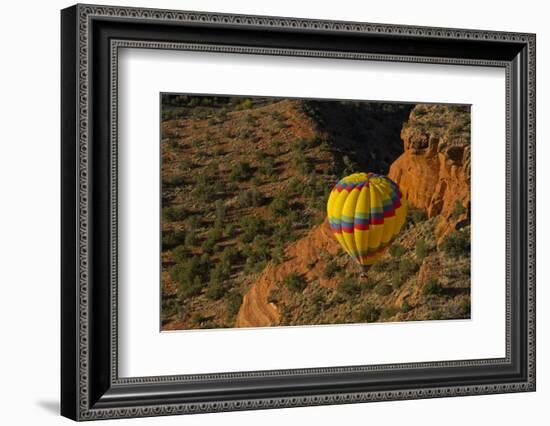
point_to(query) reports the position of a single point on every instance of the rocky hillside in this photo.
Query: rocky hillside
(318, 284)
(434, 170)
(245, 242)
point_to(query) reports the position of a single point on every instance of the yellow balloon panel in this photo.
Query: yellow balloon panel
(366, 212)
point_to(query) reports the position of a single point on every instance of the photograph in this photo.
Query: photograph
(304, 212)
(265, 209)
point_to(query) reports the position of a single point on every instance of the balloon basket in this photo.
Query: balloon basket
(363, 271)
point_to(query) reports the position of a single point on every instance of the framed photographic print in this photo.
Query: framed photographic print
(263, 212)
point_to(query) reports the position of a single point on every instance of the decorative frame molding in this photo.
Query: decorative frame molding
(91, 388)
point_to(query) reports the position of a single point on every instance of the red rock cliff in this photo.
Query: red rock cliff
(434, 171)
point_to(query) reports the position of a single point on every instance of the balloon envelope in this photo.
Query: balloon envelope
(366, 212)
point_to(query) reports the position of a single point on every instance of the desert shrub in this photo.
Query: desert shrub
(383, 289)
(250, 198)
(241, 172)
(388, 312)
(407, 267)
(296, 186)
(229, 255)
(208, 138)
(331, 269)
(215, 290)
(277, 116)
(417, 216)
(421, 249)
(456, 244)
(252, 226)
(317, 299)
(349, 287)
(190, 275)
(261, 156)
(194, 221)
(283, 232)
(383, 265)
(349, 166)
(204, 190)
(221, 272)
(173, 180)
(252, 265)
(173, 213)
(218, 276)
(277, 254)
(246, 104)
(459, 209)
(220, 213)
(251, 120)
(280, 205)
(218, 186)
(246, 133)
(301, 163)
(397, 250)
(432, 288)
(277, 144)
(274, 296)
(405, 306)
(171, 239)
(464, 307)
(185, 165)
(181, 253)
(367, 313)
(169, 307)
(436, 314)
(267, 167)
(190, 239)
(233, 302)
(213, 237)
(228, 230)
(259, 250)
(396, 279)
(295, 282)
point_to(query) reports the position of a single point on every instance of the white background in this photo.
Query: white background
(29, 225)
(142, 346)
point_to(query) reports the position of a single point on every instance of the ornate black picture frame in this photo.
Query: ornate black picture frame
(91, 36)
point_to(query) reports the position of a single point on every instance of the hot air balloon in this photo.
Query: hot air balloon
(366, 212)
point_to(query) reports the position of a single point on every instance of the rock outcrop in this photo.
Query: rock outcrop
(434, 170)
(256, 310)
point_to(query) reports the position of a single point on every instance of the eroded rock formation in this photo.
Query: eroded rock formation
(434, 170)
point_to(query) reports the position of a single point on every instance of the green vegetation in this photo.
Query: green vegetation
(459, 210)
(417, 216)
(241, 172)
(456, 244)
(421, 250)
(181, 253)
(204, 189)
(280, 205)
(383, 289)
(243, 178)
(367, 313)
(397, 250)
(171, 239)
(331, 269)
(251, 226)
(349, 287)
(295, 282)
(432, 288)
(173, 213)
(233, 301)
(190, 276)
